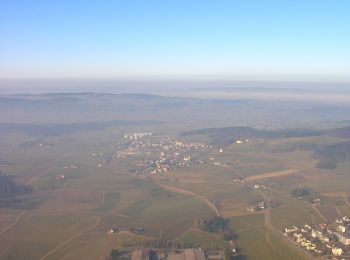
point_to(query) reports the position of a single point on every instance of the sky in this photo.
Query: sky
(204, 39)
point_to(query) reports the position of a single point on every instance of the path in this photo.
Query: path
(44, 172)
(318, 212)
(13, 224)
(210, 204)
(344, 195)
(277, 232)
(232, 169)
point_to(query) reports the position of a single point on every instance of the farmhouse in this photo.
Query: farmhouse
(343, 238)
(337, 251)
(140, 254)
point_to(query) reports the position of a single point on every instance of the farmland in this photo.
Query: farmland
(87, 182)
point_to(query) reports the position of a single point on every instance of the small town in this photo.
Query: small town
(158, 155)
(331, 240)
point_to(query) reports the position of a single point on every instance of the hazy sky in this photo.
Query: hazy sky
(157, 39)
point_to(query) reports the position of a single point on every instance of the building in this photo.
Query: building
(344, 239)
(140, 254)
(341, 228)
(214, 255)
(337, 251)
(187, 254)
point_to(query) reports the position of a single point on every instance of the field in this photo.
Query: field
(81, 190)
(253, 234)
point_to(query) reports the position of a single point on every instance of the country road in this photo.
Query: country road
(210, 204)
(278, 233)
(46, 171)
(13, 224)
(98, 220)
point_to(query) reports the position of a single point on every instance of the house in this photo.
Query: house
(60, 177)
(194, 254)
(140, 254)
(250, 209)
(214, 255)
(324, 239)
(113, 231)
(339, 221)
(261, 204)
(337, 251)
(292, 229)
(233, 246)
(345, 240)
(341, 228)
(320, 236)
(188, 254)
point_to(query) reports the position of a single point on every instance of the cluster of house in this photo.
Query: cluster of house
(242, 141)
(260, 205)
(171, 254)
(136, 136)
(159, 155)
(259, 187)
(72, 166)
(327, 238)
(125, 230)
(99, 165)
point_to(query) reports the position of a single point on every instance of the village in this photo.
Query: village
(156, 155)
(331, 240)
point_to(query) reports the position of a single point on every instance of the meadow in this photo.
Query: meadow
(80, 193)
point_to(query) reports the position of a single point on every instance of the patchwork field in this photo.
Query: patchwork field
(81, 190)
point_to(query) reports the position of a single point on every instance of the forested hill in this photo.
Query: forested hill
(43, 130)
(330, 155)
(343, 132)
(228, 135)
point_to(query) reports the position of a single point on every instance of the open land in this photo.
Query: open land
(87, 182)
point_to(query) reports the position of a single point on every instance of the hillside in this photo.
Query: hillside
(228, 135)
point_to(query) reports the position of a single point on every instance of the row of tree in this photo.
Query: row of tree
(330, 155)
(9, 188)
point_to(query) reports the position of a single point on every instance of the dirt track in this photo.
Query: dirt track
(272, 175)
(210, 204)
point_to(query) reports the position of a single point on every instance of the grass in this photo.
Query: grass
(174, 215)
(91, 246)
(294, 212)
(202, 238)
(35, 235)
(256, 242)
(253, 235)
(110, 201)
(64, 210)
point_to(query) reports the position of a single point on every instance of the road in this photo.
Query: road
(46, 171)
(210, 204)
(98, 219)
(277, 232)
(13, 224)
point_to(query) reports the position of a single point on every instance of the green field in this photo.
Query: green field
(73, 214)
(110, 201)
(252, 234)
